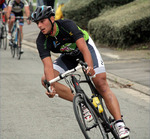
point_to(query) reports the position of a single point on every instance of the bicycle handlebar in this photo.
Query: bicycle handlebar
(65, 74)
(20, 17)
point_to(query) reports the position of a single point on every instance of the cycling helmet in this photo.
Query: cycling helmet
(42, 12)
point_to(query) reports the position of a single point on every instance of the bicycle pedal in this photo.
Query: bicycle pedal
(105, 128)
(111, 120)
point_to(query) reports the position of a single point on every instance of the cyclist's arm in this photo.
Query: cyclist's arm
(48, 68)
(49, 74)
(82, 46)
(27, 11)
(9, 8)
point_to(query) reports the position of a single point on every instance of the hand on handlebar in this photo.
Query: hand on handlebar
(52, 92)
(28, 21)
(90, 71)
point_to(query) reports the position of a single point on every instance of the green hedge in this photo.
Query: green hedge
(123, 26)
(81, 11)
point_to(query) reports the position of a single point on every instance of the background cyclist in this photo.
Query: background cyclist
(63, 36)
(3, 7)
(15, 8)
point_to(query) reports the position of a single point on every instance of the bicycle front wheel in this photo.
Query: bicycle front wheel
(1, 30)
(18, 44)
(4, 35)
(92, 129)
(0, 42)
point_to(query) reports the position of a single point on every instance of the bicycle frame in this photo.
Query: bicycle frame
(16, 37)
(14, 28)
(16, 23)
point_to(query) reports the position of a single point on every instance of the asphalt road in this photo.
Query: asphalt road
(27, 113)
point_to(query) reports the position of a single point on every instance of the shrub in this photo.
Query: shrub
(81, 11)
(124, 25)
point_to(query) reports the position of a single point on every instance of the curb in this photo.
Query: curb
(129, 84)
(116, 79)
(33, 45)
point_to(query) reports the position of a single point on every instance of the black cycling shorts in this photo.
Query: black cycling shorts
(21, 21)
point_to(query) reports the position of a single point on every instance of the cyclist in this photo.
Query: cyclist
(15, 8)
(2, 4)
(63, 36)
(3, 7)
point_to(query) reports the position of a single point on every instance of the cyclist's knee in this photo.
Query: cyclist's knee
(101, 83)
(12, 19)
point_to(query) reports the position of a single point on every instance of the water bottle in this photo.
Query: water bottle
(97, 104)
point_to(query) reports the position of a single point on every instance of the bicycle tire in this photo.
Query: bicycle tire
(18, 44)
(4, 35)
(90, 130)
(0, 42)
(107, 116)
(12, 51)
(1, 37)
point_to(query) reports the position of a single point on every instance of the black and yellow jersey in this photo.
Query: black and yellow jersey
(67, 34)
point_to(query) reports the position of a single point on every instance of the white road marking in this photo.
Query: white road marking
(111, 55)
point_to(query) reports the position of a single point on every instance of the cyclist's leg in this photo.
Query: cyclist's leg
(21, 31)
(101, 83)
(21, 23)
(10, 24)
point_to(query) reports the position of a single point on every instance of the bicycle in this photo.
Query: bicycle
(3, 33)
(101, 125)
(15, 42)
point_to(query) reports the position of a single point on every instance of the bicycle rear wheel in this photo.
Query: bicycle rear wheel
(92, 129)
(18, 44)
